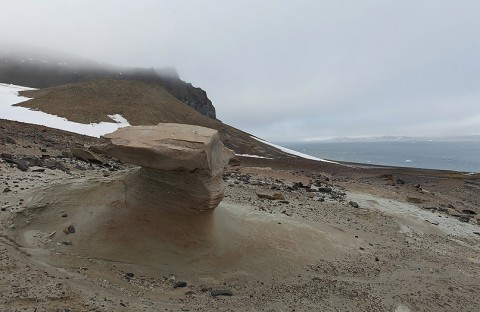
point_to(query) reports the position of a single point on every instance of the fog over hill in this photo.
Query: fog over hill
(41, 69)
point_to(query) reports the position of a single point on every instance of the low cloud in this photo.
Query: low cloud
(282, 69)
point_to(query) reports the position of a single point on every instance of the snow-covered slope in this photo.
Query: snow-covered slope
(292, 152)
(9, 96)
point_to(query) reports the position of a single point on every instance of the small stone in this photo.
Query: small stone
(64, 215)
(22, 165)
(3, 209)
(129, 275)
(71, 229)
(180, 285)
(221, 292)
(353, 204)
(325, 189)
(275, 196)
(6, 190)
(376, 259)
(79, 167)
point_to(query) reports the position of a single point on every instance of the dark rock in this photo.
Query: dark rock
(469, 212)
(417, 186)
(400, 181)
(284, 201)
(6, 190)
(6, 156)
(3, 209)
(80, 167)
(67, 154)
(221, 292)
(451, 206)
(129, 275)
(64, 215)
(234, 162)
(464, 219)
(22, 165)
(39, 170)
(43, 150)
(376, 259)
(180, 285)
(71, 229)
(32, 161)
(476, 233)
(85, 154)
(353, 204)
(325, 189)
(57, 165)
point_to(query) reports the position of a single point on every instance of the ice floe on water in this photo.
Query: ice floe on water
(292, 152)
(9, 96)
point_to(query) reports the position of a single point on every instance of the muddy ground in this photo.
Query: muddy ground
(290, 235)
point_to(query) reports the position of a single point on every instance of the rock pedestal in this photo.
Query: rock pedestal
(181, 166)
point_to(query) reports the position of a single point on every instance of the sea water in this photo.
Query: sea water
(463, 156)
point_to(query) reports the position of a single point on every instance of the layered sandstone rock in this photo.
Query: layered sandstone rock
(181, 166)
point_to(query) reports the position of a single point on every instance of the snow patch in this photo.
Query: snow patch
(253, 156)
(292, 152)
(9, 96)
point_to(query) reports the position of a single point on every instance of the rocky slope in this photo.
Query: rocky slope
(41, 70)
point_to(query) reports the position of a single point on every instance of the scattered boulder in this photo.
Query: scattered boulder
(353, 204)
(179, 285)
(469, 212)
(275, 196)
(6, 156)
(85, 154)
(175, 160)
(325, 189)
(22, 165)
(221, 292)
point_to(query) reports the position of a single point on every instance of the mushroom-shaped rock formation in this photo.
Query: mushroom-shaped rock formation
(181, 166)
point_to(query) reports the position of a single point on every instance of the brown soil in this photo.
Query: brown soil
(409, 246)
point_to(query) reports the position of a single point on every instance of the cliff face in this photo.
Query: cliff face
(42, 71)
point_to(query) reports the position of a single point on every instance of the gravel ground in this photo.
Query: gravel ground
(290, 235)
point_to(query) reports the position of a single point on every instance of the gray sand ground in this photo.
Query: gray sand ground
(304, 255)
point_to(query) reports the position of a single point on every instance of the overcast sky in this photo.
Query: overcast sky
(287, 70)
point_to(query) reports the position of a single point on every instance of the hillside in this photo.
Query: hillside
(41, 70)
(140, 103)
